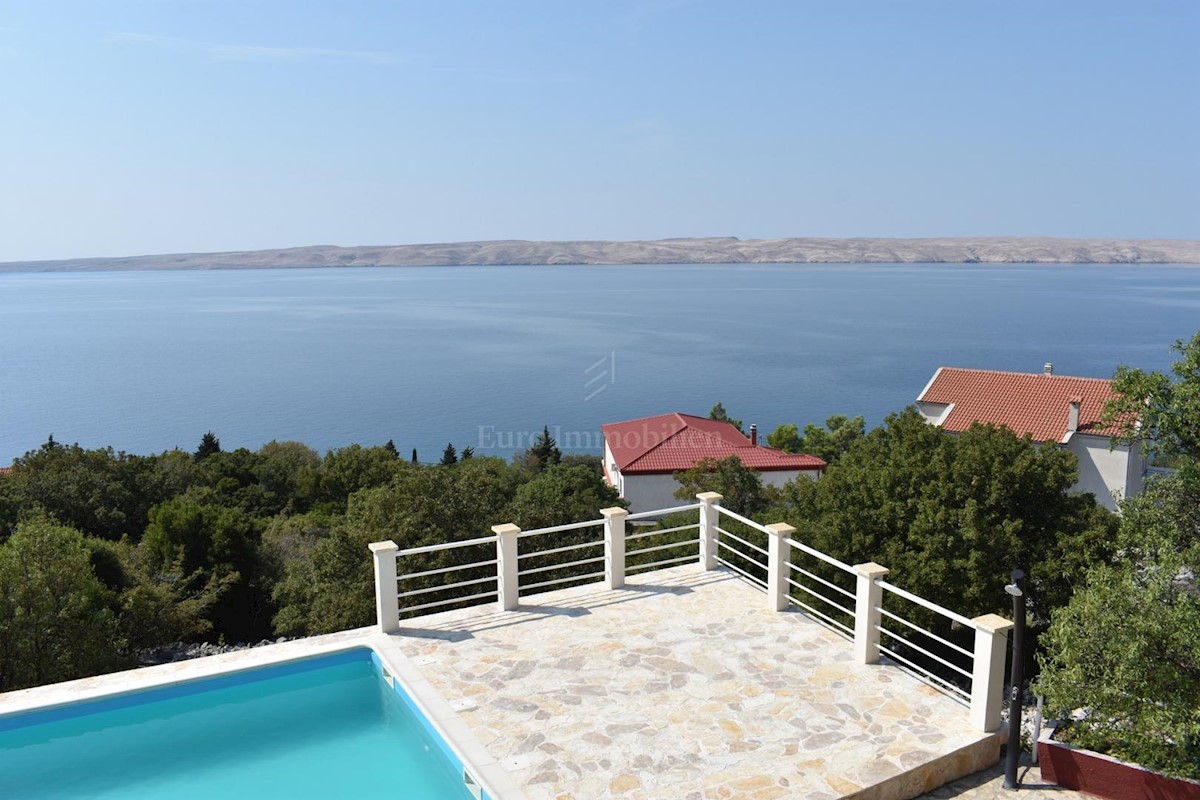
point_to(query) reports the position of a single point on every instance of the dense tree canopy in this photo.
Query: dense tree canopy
(55, 622)
(952, 515)
(827, 443)
(235, 545)
(1126, 649)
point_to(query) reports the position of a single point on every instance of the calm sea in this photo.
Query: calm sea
(485, 357)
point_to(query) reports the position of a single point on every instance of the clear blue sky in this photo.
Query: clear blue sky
(155, 126)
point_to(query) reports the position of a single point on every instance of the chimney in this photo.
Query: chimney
(1048, 369)
(1073, 414)
(753, 434)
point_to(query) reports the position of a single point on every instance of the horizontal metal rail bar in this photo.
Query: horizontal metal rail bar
(737, 538)
(561, 566)
(433, 548)
(897, 638)
(553, 550)
(662, 512)
(445, 586)
(735, 551)
(695, 526)
(810, 610)
(921, 601)
(945, 683)
(820, 596)
(652, 564)
(570, 526)
(758, 526)
(930, 634)
(819, 579)
(802, 547)
(563, 580)
(449, 602)
(743, 573)
(442, 570)
(659, 547)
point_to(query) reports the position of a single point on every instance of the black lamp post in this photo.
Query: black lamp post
(1013, 756)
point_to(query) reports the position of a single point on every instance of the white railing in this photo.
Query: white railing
(787, 569)
(542, 569)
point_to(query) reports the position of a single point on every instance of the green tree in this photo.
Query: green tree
(92, 491)
(833, 440)
(11, 502)
(414, 457)
(347, 470)
(216, 544)
(719, 414)
(287, 473)
(55, 621)
(334, 590)
(155, 604)
(1127, 646)
(1158, 411)
(209, 445)
(390, 446)
(951, 515)
(449, 456)
(468, 452)
(740, 487)
(544, 452)
(827, 443)
(786, 437)
(560, 494)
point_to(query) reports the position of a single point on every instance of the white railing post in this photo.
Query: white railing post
(779, 555)
(987, 676)
(868, 597)
(708, 529)
(614, 546)
(387, 593)
(506, 565)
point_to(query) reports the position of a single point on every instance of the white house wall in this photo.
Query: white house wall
(648, 492)
(1110, 475)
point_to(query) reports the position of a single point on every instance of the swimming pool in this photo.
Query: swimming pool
(330, 726)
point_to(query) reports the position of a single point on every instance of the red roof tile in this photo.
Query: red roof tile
(673, 442)
(1033, 403)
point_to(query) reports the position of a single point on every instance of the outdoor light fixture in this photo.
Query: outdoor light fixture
(1013, 755)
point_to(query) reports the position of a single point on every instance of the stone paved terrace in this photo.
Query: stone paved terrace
(684, 686)
(989, 785)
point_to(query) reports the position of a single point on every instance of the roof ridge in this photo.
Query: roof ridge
(1026, 374)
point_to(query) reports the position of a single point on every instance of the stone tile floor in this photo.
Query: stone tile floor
(684, 686)
(988, 784)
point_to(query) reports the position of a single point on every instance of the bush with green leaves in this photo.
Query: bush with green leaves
(1123, 656)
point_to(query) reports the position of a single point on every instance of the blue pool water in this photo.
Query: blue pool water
(327, 727)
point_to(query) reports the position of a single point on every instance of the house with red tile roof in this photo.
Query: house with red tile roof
(1056, 410)
(641, 455)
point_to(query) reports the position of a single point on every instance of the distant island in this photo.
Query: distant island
(719, 250)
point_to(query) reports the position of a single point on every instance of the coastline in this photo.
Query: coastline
(697, 251)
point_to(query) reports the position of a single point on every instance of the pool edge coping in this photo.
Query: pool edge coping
(486, 769)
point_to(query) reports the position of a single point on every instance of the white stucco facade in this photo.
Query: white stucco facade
(1110, 473)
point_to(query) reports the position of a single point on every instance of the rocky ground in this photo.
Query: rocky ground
(182, 651)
